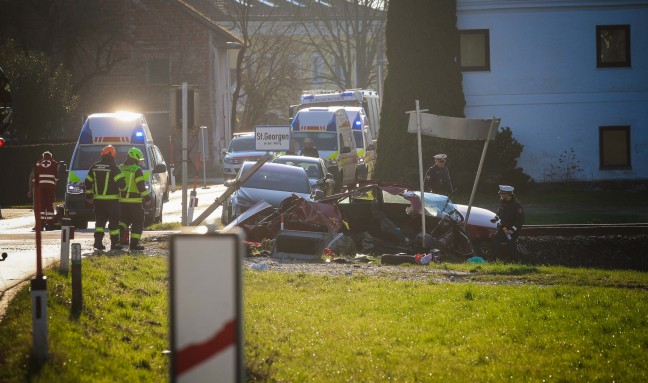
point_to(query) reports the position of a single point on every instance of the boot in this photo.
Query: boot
(98, 244)
(135, 246)
(114, 243)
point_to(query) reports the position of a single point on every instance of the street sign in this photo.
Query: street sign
(206, 308)
(272, 137)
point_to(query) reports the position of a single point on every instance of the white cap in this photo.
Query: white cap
(441, 157)
(506, 189)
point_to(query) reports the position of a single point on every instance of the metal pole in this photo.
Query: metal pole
(184, 153)
(39, 287)
(479, 169)
(204, 157)
(421, 184)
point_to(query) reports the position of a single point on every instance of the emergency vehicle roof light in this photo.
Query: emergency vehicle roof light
(138, 136)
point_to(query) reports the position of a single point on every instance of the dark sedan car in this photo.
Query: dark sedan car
(315, 168)
(272, 183)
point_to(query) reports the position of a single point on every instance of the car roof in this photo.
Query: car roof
(278, 167)
(289, 157)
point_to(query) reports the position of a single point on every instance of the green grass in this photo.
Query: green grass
(460, 322)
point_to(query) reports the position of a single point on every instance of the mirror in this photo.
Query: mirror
(160, 168)
(228, 183)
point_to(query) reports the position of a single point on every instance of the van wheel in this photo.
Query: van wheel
(79, 223)
(158, 219)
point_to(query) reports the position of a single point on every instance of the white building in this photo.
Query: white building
(569, 77)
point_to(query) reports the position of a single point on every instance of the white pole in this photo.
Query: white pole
(204, 157)
(479, 169)
(420, 158)
(65, 245)
(184, 153)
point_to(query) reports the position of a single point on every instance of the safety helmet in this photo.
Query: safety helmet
(136, 154)
(109, 150)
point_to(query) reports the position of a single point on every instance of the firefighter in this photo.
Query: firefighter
(102, 186)
(511, 218)
(131, 198)
(437, 177)
(44, 176)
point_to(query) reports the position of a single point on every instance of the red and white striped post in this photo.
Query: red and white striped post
(39, 291)
(65, 245)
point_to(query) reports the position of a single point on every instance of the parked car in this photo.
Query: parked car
(272, 183)
(240, 149)
(316, 170)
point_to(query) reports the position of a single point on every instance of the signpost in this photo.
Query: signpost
(206, 308)
(272, 138)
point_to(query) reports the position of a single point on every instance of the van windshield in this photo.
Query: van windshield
(321, 140)
(357, 135)
(86, 155)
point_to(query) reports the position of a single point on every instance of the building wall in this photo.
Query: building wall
(161, 30)
(545, 85)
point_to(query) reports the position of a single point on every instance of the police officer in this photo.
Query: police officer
(44, 177)
(130, 200)
(309, 149)
(511, 218)
(102, 186)
(437, 177)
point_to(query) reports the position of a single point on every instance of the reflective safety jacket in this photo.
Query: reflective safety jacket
(135, 189)
(104, 180)
(45, 174)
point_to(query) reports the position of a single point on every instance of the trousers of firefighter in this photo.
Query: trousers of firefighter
(42, 189)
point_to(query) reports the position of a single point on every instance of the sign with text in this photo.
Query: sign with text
(272, 137)
(206, 308)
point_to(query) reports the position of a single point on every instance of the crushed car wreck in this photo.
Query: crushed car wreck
(375, 218)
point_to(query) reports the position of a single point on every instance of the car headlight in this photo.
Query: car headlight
(228, 160)
(147, 185)
(75, 187)
(360, 160)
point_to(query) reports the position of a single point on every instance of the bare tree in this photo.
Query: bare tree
(266, 64)
(347, 36)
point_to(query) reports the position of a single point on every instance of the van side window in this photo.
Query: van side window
(158, 155)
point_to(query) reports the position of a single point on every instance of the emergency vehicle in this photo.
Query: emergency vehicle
(123, 130)
(365, 98)
(330, 131)
(366, 145)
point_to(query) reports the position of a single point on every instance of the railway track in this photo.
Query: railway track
(567, 230)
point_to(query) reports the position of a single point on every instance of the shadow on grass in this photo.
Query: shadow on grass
(515, 270)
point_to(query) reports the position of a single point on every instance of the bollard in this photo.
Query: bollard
(65, 245)
(77, 296)
(39, 318)
(173, 183)
(193, 202)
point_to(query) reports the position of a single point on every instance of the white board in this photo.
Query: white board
(206, 308)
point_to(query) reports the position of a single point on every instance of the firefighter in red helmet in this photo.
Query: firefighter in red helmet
(102, 186)
(44, 177)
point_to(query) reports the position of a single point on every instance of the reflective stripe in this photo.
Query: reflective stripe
(99, 229)
(145, 193)
(106, 196)
(88, 178)
(142, 178)
(129, 200)
(136, 236)
(118, 176)
(114, 232)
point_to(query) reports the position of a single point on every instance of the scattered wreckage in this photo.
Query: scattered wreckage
(375, 218)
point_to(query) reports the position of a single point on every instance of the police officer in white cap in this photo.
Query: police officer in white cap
(511, 218)
(437, 177)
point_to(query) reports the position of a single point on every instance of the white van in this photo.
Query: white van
(123, 130)
(365, 143)
(330, 130)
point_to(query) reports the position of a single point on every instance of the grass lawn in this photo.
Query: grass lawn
(484, 323)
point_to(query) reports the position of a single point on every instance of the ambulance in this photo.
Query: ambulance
(123, 130)
(365, 144)
(330, 131)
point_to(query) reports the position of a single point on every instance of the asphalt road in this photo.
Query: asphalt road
(18, 241)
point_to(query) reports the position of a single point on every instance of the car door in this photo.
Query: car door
(163, 177)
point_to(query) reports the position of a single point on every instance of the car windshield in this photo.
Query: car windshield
(321, 140)
(357, 135)
(437, 205)
(242, 144)
(86, 155)
(271, 179)
(312, 169)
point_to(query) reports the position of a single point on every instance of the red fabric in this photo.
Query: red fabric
(45, 177)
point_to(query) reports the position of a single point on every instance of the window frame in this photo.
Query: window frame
(476, 68)
(626, 63)
(602, 131)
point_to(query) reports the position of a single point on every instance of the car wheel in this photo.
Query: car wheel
(79, 223)
(484, 249)
(226, 214)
